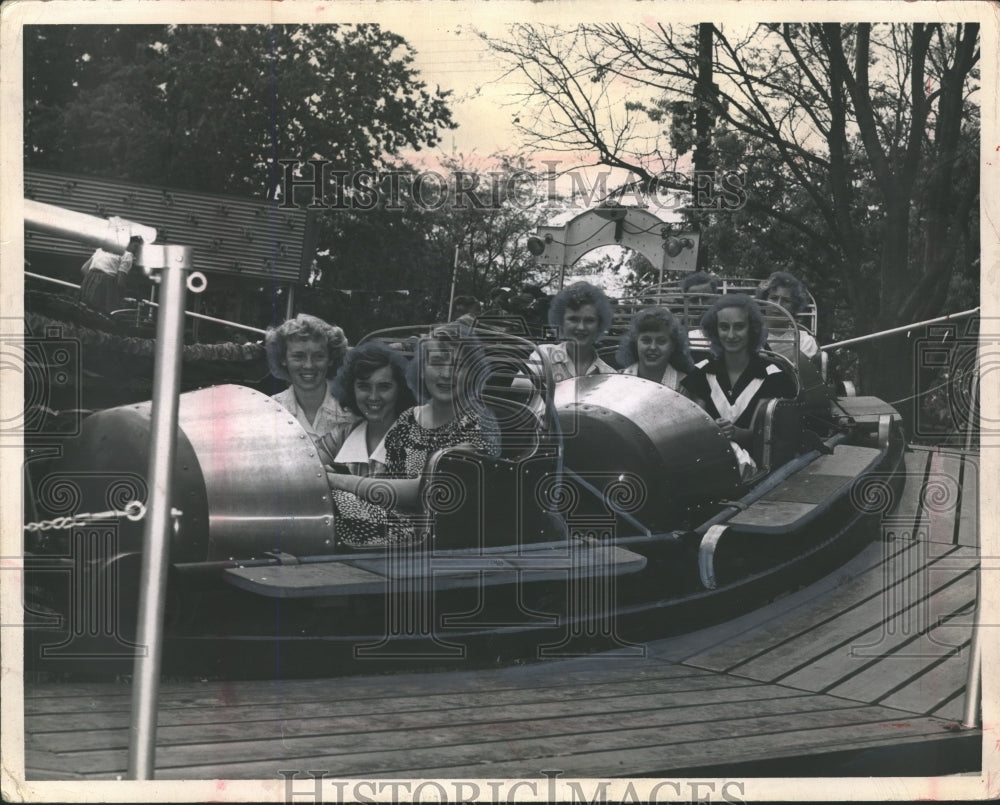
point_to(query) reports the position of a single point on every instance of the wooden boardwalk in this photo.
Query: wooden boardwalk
(861, 673)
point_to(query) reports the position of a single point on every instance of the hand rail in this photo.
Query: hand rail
(903, 329)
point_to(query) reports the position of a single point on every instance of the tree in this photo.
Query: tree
(843, 131)
(213, 107)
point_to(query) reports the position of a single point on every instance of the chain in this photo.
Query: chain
(134, 510)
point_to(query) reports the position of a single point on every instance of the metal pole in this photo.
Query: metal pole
(107, 233)
(972, 424)
(973, 693)
(903, 329)
(454, 279)
(290, 306)
(156, 535)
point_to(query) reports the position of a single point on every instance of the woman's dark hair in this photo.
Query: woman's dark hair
(576, 296)
(360, 363)
(782, 279)
(653, 319)
(710, 322)
(471, 365)
(303, 328)
(700, 278)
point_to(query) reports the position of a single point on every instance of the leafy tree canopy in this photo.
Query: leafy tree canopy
(213, 107)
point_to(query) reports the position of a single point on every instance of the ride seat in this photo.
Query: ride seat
(477, 500)
(777, 430)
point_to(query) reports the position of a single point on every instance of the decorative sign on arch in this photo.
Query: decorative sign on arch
(631, 227)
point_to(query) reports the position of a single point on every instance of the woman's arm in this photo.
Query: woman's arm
(390, 493)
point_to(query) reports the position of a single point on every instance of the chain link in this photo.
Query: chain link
(134, 510)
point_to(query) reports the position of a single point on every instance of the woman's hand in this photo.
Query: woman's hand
(728, 428)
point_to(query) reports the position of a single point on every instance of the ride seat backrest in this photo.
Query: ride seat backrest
(519, 426)
(475, 500)
(776, 427)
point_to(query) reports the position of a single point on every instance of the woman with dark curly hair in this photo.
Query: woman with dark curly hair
(786, 290)
(656, 348)
(729, 384)
(371, 384)
(306, 351)
(446, 374)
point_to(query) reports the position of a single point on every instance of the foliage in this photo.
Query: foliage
(212, 107)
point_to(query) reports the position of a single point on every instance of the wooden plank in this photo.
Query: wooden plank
(500, 739)
(846, 658)
(927, 691)
(915, 468)
(705, 687)
(900, 670)
(847, 612)
(333, 722)
(658, 761)
(606, 666)
(942, 496)
(626, 751)
(968, 519)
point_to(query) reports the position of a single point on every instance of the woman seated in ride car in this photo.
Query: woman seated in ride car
(371, 384)
(656, 348)
(446, 375)
(786, 290)
(730, 383)
(306, 351)
(582, 314)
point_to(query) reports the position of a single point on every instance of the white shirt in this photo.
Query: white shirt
(329, 414)
(108, 262)
(354, 452)
(563, 366)
(783, 343)
(671, 377)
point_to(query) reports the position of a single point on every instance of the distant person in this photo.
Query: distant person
(307, 352)
(465, 306)
(656, 348)
(105, 275)
(786, 290)
(702, 289)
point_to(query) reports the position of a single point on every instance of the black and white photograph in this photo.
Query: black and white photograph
(490, 402)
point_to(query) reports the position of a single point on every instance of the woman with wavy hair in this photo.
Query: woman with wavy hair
(371, 384)
(656, 348)
(446, 375)
(730, 383)
(306, 351)
(786, 290)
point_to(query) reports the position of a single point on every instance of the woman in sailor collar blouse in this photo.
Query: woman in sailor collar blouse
(372, 385)
(656, 348)
(729, 384)
(306, 351)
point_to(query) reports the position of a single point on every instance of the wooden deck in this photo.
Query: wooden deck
(861, 673)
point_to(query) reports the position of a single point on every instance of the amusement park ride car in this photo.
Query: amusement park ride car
(615, 513)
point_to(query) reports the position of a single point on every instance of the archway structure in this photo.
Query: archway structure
(631, 227)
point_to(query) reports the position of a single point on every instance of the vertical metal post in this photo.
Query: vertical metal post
(454, 279)
(290, 306)
(973, 692)
(972, 425)
(156, 534)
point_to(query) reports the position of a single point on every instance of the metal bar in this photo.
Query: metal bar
(63, 283)
(454, 279)
(203, 317)
(971, 426)
(156, 534)
(150, 303)
(113, 233)
(973, 691)
(903, 329)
